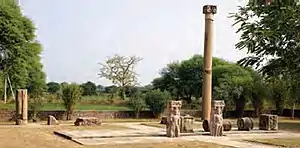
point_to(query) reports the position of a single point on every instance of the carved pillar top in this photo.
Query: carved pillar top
(209, 9)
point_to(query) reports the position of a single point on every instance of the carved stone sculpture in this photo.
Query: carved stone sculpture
(173, 118)
(268, 122)
(186, 124)
(216, 118)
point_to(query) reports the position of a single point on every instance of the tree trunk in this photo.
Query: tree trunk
(293, 110)
(123, 93)
(279, 106)
(240, 106)
(257, 105)
(137, 114)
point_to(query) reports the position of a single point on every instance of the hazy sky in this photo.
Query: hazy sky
(78, 34)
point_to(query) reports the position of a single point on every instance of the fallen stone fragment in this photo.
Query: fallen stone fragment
(87, 121)
(52, 120)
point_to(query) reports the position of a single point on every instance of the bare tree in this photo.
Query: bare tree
(120, 70)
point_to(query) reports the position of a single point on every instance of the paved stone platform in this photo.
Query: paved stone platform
(145, 134)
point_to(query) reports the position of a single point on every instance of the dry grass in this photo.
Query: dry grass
(41, 136)
(281, 142)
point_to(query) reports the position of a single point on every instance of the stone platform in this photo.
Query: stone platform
(145, 134)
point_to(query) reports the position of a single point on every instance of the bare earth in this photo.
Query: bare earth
(41, 136)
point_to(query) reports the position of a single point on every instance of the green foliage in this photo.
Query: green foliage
(36, 103)
(137, 103)
(71, 95)
(184, 79)
(120, 70)
(53, 87)
(156, 100)
(19, 51)
(89, 88)
(270, 32)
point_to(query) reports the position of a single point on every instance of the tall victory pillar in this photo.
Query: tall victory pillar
(209, 11)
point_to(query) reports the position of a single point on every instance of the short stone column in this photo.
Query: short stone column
(216, 118)
(21, 107)
(173, 119)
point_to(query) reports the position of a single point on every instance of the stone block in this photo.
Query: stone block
(268, 122)
(87, 121)
(52, 120)
(163, 120)
(186, 125)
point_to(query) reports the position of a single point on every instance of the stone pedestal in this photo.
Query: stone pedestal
(186, 125)
(216, 118)
(268, 122)
(173, 118)
(21, 107)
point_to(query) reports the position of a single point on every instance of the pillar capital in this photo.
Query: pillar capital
(209, 9)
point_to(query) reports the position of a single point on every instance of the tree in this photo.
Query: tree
(70, 94)
(233, 85)
(137, 103)
(19, 50)
(120, 70)
(156, 100)
(89, 88)
(264, 35)
(53, 87)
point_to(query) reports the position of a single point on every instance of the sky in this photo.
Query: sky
(78, 34)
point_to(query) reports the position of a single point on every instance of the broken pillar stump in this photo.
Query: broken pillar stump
(87, 121)
(163, 120)
(21, 107)
(245, 124)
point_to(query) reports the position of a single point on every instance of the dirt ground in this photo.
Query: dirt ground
(41, 136)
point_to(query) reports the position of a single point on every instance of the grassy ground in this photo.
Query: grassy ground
(58, 106)
(42, 137)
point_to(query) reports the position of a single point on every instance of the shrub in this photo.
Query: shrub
(156, 100)
(137, 103)
(70, 94)
(36, 103)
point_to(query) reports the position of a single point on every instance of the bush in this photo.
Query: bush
(137, 103)
(36, 103)
(70, 94)
(156, 100)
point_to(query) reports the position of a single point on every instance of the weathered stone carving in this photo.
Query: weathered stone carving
(186, 124)
(52, 120)
(87, 121)
(173, 118)
(268, 122)
(210, 9)
(216, 118)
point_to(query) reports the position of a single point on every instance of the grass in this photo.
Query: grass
(59, 106)
(280, 142)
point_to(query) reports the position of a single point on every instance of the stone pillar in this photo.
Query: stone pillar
(209, 11)
(21, 107)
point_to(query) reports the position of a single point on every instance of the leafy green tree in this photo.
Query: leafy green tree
(137, 103)
(233, 86)
(70, 94)
(156, 100)
(89, 88)
(264, 35)
(53, 87)
(19, 50)
(120, 70)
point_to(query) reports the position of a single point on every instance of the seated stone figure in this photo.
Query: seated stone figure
(173, 118)
(216, 118)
